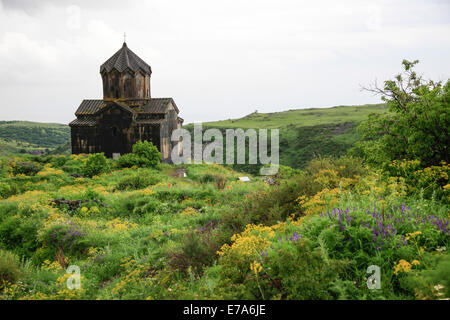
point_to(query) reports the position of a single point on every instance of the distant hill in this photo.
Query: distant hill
(32, 137)
(306, 133)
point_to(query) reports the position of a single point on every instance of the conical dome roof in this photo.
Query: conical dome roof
(123, 59)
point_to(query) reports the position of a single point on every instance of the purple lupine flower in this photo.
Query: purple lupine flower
(76, 233)
(349, 219)
(296, 236)
(403, 208)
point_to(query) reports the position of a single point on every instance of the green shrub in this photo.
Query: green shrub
(25, 167)
(74, 166)
(416, 126)
(19, 234)
(196, 252)
(207, 177)
(289, 269)
(95, 165)
(136, 182)
(146, 205)
(64, 239)
(432, 282)
(150, 206)
(7, 190)
(128, 160)
(267, 207)
(430, 181)
(148, 154)
(302, 272)
(9, 267)
(285, 172)
(58, 161)
(145, 154)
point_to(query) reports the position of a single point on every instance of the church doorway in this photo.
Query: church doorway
(114, 127)
(114, 141)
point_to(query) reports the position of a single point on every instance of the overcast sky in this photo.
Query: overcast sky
(217, 59)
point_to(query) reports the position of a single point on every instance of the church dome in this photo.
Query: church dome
(125, 59)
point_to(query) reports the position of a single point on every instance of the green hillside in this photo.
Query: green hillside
(307, 133)
(31, 137)
(301, 117)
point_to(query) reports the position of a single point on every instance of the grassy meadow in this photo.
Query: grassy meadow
(150, 233)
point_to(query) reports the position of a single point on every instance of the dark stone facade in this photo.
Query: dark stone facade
(127, 112)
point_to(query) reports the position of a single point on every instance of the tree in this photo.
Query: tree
(416, 125)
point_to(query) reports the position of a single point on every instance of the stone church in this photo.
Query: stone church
(127, 113)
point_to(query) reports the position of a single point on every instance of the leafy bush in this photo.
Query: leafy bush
(19, 234)
(136, 182)
(145, 154)
(291, 268)
(58, 161)
(285, 172)
(63, 238)
(95, 165)
(25, 167)
(416, 126)
(296, 271)
(196, 252)
(7, 190)
(432, 282)
(9, 267)
(148, 205)
(207, 177)
(148, 154)
(128, 160)
(430, 181)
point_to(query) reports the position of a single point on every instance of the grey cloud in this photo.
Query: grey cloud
(217, 59)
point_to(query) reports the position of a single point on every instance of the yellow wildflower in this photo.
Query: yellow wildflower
(256, 267)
